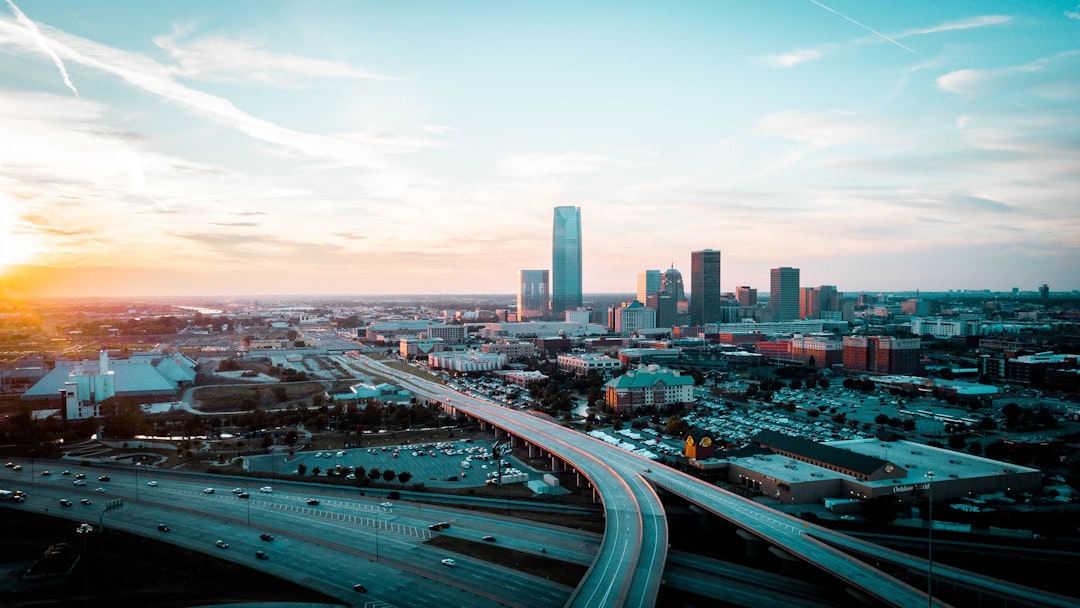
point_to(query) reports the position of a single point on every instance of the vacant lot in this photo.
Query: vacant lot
(231, 398)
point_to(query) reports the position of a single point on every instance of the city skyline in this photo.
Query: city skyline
(212, 149)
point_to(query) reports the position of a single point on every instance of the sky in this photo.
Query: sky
(354, 147)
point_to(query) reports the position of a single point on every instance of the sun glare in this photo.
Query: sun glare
(16, 247)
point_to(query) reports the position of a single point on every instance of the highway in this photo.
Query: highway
(380, 547)
(642, 566)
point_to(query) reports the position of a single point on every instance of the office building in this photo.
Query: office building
(746, 295)
(648, 284)
(669, 299)
(705, 291)
(784, 293)
(565, 261)
(532, 299)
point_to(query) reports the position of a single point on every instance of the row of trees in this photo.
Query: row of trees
(363, 477)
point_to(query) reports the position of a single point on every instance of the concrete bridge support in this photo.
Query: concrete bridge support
(755, 547)
(789, 564)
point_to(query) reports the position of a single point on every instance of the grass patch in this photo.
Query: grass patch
(405, 367)
(555, 570)
(227, 398)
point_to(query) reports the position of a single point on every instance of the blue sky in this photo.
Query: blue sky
(371, 147)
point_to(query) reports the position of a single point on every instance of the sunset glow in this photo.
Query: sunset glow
(365, 147)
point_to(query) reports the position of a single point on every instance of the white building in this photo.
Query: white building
(582, 363)
(472, 361)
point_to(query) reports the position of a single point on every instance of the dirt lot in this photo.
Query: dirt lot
(229, 398)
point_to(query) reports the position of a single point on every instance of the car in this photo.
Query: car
(208, 490)
(86, 501)
(243, 495)
(79, 482)
(442, 525)
(45, 473)
(312, 502)
(266, 490)
(449, 562)
(65, 502)
(9, 464)
(65, 472)
(261, 555)
(489, 539)
(80, 476)
(386, 504)
(163, 527)
(152, 484)
(266, 537)
(359, 588)
(104, 478)
(220, 544)
(647, 470)
(100, 490)
(237, 490)
(17, 467)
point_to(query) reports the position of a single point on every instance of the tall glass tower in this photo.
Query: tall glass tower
(532, 300)
(784, 293)
(705, 293)
(565, 262)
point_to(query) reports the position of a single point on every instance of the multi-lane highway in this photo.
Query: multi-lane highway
(636, 545)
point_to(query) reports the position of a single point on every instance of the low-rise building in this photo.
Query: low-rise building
(648, 387)
(581, 364)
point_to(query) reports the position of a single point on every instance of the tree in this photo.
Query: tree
(404, 477)
(956, 442)
(301, 469)
(796, 384)
(373, 473)
(388, 475)
(315, 471)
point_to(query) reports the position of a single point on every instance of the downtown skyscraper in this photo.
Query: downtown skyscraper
(532, 299)
(705, 292)
(784, 293)
(565, 262)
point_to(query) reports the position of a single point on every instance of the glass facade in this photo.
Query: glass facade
(532, 300)
(705, 286)
(566, 261)
(784, 293)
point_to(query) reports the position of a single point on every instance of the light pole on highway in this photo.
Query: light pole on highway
(137, 465)
(84, 530)
(930, 540)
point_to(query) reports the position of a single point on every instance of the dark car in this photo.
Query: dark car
(261, 555)
(243, 495)
(312, 502)
(267, 537)
(163, 527)
(104, 478)
(359, 588)
(65, 502)
(489, 539)
(86, 501)
(442, 525)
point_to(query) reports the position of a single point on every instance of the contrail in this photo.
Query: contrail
(43, 43)
(865, 27)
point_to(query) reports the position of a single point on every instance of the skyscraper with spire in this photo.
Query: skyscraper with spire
(566, 262)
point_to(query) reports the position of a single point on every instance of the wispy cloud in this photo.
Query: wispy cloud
(548, 165)
(961, 24)
(1052, 77)
(867, 28)
(797, 56)
(1075, 14)
(223, 59)
(43, 44)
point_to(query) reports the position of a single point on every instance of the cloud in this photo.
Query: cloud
(548, 165)
(437, 129)
(1073, 14)
(794, 58)
(43, 44)
(221, 59)
(799, 56)
(1054, 77)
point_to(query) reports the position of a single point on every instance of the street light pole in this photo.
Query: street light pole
(84, 530)
(930, 540)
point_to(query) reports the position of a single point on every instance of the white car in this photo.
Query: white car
(208, 491)
(152, 484)
(266, 489)
(449, 562)
(388, 504)
(237, 490)
(79, 482)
